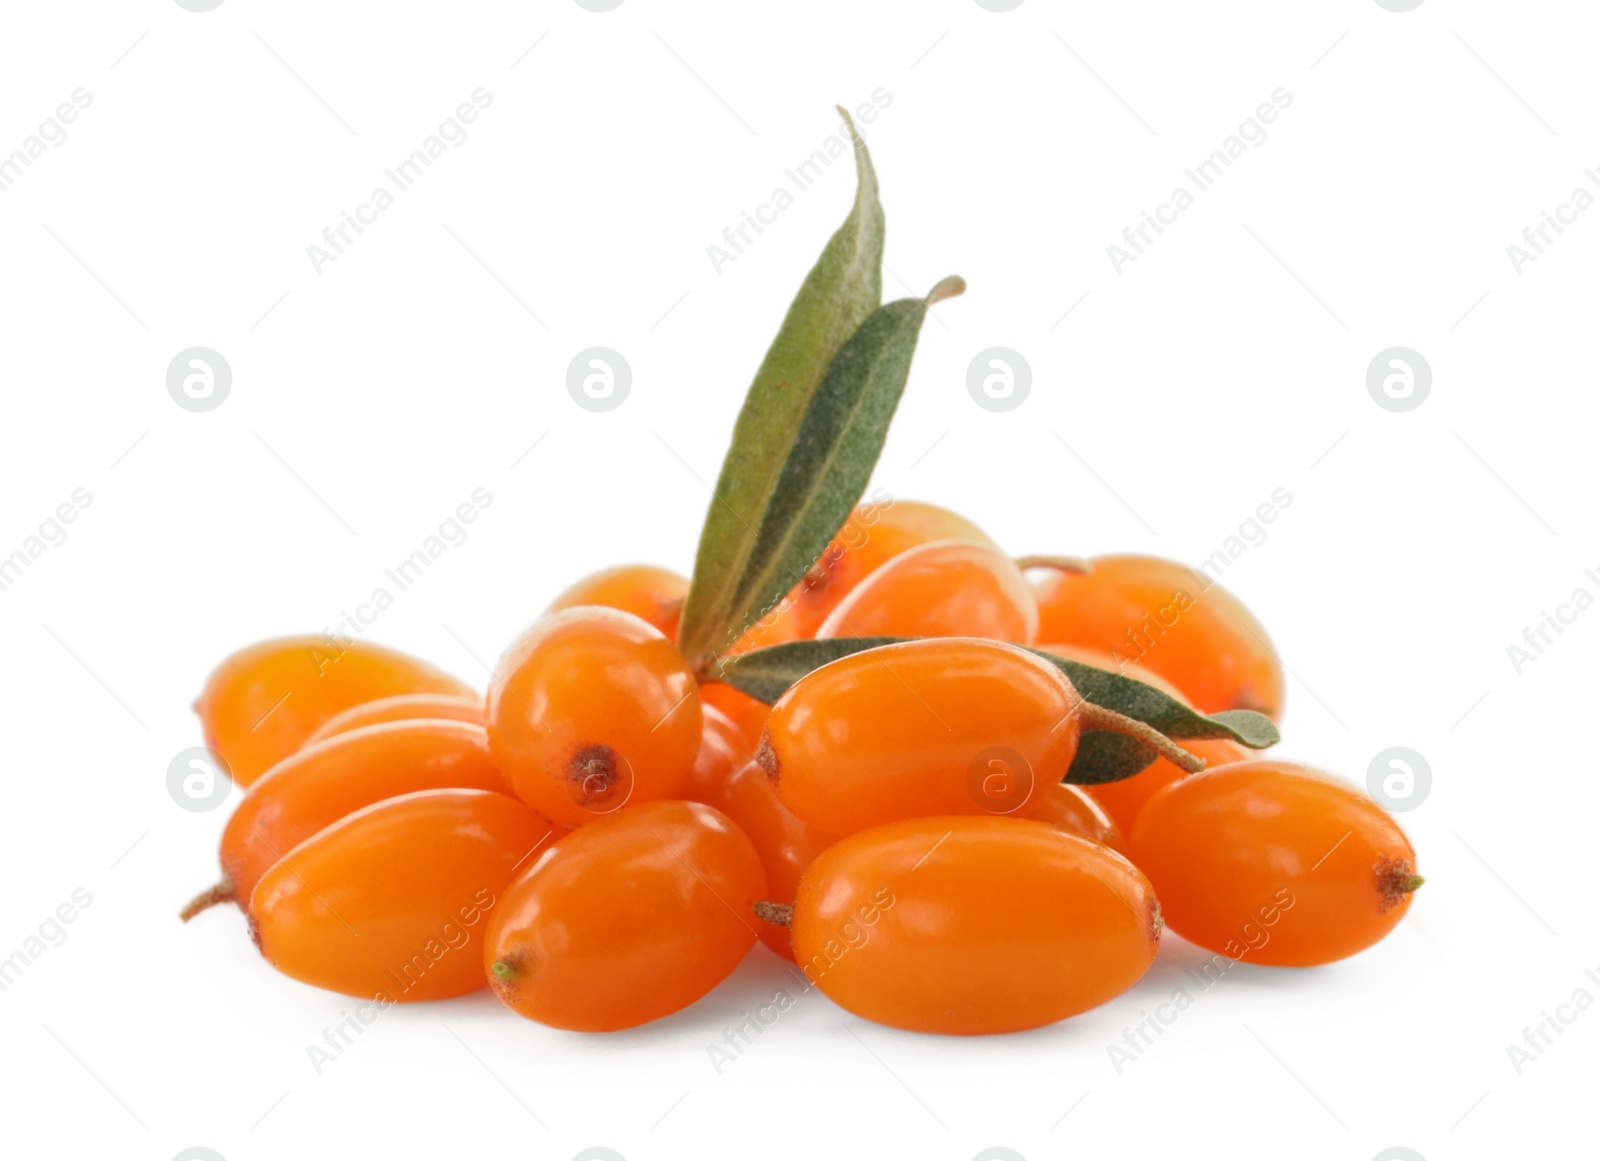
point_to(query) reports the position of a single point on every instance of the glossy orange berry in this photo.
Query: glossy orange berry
(748, 714)
(1123, 800)
(947, 588)
(786, 844)
(932, 727)
(262, 703)
(972, 925)
(404, 707)
(1170, 619)
(1073, 810)
(627, 919)
(874, 534)
(392, 901)
(722, 748)
(315, 787)
(649, 593)
(592, 708)
(1275, 862)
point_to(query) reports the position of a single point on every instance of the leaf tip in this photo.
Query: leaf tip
(947, 288)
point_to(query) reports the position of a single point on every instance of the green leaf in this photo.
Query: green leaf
(835, 450)
(842, 290)
(1109, 757)
(765, 674)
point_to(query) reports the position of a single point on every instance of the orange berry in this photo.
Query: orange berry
(383, 903)
(592, 708)
(262, 703)
(722, 748)
(1073, 810)
(626, 920)
(972, 925)
(874, 534)
(649, 593)
(748, 714)
(1123, 800)
(1275, 862)
(786, 844)
(939, 726)
(404, 707)
(315, 787)
(1169, 619)
(948, 588)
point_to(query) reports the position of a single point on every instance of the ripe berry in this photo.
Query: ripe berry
(874, 534)
(1073, 810)
(649, 593)
(786, 844)
(931, 727)
(315, 787)
(1275, 862)
(626, 920)
(1169, 619)
(972, 925)
(386, 901)
(722, 748)
(404, 707)
(592, 708)
(748, 714)
(948, 588)
(261, 703)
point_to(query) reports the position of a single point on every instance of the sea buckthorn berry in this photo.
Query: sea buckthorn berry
(748, 714)
(262, 703)
(385, 902)
(787, 844)
(1169, 619)
(404, 707)
(592, 708)
(1275, 862)
(873, 535)
(915, 729)
(972, 925)
(315, 787)
(947, 588)
(1123, 800)
(1073, 810)
(722, 748)
(626, 920)
(649, 593)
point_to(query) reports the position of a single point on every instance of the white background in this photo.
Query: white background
(372, 398)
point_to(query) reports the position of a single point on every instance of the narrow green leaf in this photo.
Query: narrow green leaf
(1108, 757)
(842, 290)
(836, 447)
(765, 674)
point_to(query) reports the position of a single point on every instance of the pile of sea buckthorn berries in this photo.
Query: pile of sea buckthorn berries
(607, 835)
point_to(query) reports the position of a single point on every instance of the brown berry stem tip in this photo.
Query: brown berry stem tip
(781, 914)
(217, 893)
(1097, 717)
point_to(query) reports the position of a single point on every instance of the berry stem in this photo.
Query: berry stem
(1097, 717)
(502, 970)
(217, 893)
(781, 914)
(1073, 564)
